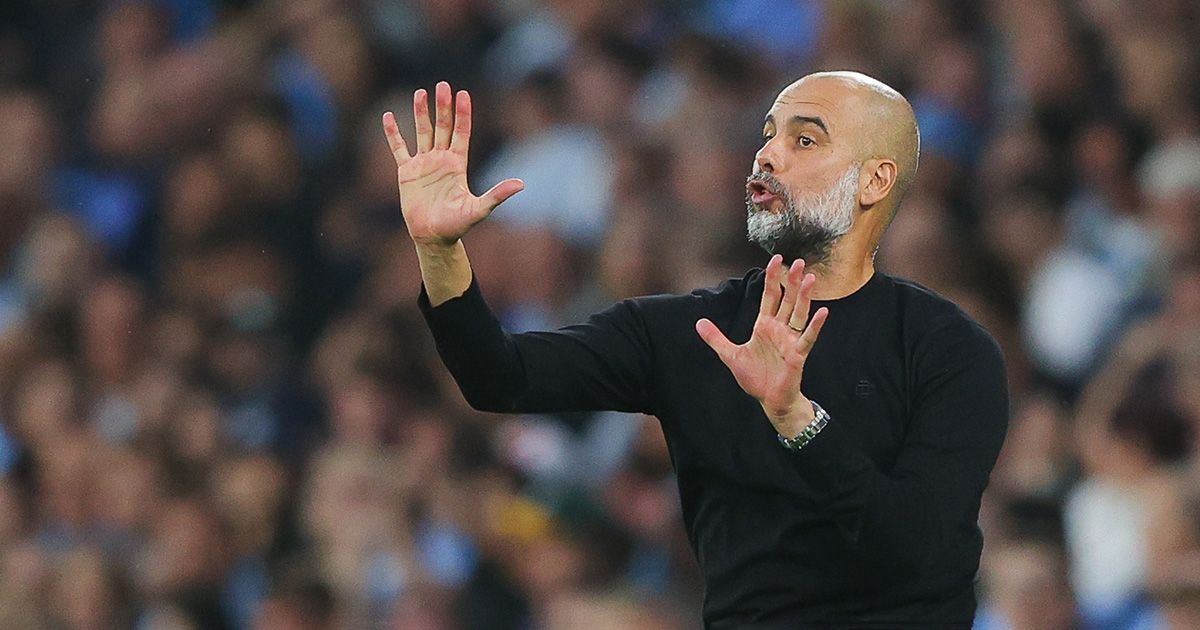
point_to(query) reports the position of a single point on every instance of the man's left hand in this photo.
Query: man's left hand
(770, 365)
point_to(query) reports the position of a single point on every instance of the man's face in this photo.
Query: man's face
(802, 194)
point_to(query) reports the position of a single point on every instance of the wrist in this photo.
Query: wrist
(445, 270)
(434, 250)
(810, 431)
(792, 423)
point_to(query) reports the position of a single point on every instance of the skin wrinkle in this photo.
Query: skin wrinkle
(867, 126)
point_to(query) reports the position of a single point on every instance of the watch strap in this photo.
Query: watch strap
(820, 419)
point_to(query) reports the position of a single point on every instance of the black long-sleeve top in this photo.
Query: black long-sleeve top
(872, 524)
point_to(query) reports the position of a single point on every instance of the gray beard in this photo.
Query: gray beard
(806, 227)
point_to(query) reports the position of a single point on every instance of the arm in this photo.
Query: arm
(906, 516)
(603, 363)
(903, 516)
(600, 364)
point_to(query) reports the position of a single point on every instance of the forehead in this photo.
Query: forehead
(830, 100)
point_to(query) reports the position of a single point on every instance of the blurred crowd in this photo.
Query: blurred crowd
(220, 408)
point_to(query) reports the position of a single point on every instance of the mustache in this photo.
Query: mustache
(768, 181)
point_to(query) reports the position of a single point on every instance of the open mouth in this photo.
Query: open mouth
(760, 192)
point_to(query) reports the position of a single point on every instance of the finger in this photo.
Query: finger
(421, 117)
(809, 338)
(803, 302)
(394, 139)
(791, 291)
(497, 194)
(769, 304)
(461, 140)
(445, 116)
(716, 340)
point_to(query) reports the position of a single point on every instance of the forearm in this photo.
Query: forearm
(445, 270)
(473, 345)
(602, 363)
(925, 500)
(856, 495)
(906, 517)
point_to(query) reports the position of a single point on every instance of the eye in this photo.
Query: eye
(767, 136)
(806, 141)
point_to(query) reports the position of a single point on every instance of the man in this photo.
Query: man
(830, 484)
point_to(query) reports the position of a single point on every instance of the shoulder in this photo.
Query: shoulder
(953, 357)
(726, 296)
(923, 301)
(732, 291)
(936, 325)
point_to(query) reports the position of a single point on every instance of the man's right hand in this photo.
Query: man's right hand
(437, 205)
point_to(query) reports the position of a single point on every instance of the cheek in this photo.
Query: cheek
(800, 186)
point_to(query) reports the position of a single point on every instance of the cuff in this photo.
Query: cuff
(460, 323)
(456, 309)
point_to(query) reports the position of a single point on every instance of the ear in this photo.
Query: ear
(876, 181)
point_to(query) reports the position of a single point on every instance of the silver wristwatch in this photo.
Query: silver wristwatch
(809, 432)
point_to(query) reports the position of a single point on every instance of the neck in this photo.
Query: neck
(851, 264)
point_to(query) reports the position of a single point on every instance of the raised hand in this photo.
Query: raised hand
(437, 205)
(770, 365)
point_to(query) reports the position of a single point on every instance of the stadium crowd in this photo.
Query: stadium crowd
(220, 407)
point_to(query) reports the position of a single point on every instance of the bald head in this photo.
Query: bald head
(839, 151)
(878, 121)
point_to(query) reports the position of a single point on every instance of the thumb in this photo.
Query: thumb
(499, 193)
(716, 340)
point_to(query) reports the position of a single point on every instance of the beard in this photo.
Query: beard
(807, 226)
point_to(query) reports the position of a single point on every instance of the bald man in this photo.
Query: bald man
(831, 427)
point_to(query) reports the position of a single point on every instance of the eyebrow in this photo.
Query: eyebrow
(798, 119)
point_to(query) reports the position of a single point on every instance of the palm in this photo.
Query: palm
(434, 197)
(436, 202)
(765, 370)
(770, 365)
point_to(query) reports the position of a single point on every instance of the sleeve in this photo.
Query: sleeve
(601, 364)
(907, 515)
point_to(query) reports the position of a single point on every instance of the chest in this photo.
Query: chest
(861, 377)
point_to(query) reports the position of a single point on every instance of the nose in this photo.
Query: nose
(765, 158)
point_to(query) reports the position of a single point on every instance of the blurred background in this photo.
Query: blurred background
(220, 408)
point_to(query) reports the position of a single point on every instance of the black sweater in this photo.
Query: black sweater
(872, 524)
